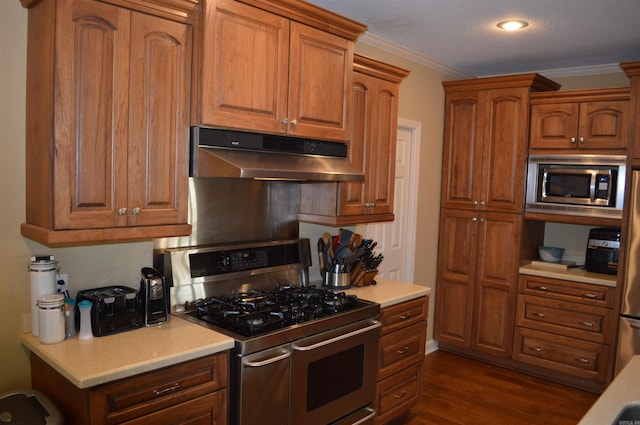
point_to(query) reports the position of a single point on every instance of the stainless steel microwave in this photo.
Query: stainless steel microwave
(588, 185)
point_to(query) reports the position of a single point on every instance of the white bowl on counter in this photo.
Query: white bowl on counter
(550, 254)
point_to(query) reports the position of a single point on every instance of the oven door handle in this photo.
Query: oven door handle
(375, 325)
(371, 415)
(284, 355)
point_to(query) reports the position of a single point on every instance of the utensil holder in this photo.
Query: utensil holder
(337, 280)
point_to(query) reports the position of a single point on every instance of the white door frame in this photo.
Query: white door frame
(415, 128)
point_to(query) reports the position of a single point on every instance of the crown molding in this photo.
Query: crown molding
(419, 58)
(381, 43)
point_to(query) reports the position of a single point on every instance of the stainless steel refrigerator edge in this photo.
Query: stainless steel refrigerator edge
(629, 327)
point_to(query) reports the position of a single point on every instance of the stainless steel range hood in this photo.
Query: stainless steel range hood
(225, 153)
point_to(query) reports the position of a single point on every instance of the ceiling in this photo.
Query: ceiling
(461, 35)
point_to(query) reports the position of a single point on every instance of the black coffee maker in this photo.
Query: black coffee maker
(603, 249)
(154, 297)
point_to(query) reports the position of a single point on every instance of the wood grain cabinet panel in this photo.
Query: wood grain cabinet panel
(588, 120)
(110, 162)
(400, 356)
(265, 72)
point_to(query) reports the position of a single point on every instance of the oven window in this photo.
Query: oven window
(335, 376)
(568, 185)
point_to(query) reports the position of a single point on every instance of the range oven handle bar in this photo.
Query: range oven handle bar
(375, 325)
(371, 415)
(284, 355)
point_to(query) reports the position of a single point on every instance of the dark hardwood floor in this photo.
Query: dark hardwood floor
(457, 390)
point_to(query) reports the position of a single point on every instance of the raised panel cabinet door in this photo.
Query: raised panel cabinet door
(456, 275)
(159, 128)
(244, 67)
(504, 150)
(604, 125)
(353, 194)
(91, 123)
(462, 156)
(381, 150)
(496, 283)
(320, 75)
(554, 126)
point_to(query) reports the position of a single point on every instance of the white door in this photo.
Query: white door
(396, 240)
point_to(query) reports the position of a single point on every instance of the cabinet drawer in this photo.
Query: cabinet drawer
(570, 356)
(564, 318)
(397, 393)
(404, 314)
(130, 398)
(583, 293)
(209, 409)
(400, 349)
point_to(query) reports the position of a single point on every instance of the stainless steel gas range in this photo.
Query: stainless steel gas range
(303, 355)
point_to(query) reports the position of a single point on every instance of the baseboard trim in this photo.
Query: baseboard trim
(431, 346)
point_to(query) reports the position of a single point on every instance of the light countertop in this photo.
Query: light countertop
(388, 292)
(99, 360)
(622, 391)
(576, 274)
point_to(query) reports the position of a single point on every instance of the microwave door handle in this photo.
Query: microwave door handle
(297, 347)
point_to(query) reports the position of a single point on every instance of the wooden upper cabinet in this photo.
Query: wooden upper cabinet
(632, 69)
(585, 119)
(109, 163)
(262, 71)
(372, 148)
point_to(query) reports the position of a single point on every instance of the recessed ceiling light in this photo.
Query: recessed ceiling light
(512, 24)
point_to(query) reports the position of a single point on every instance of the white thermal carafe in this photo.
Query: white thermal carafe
(42, 272)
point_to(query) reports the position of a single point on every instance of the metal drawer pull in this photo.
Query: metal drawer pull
(573, 140)
(538, 349)
(167, 390)
(586, 323)
(585, 361)
(592, 296)
(541, 288)
(538, 314)
(406, 316)
(402, 394)
(402, 350)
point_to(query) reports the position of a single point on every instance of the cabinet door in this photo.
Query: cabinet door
(603, 125)
(496, 283)
(554, 126)
(91, 119)
(159, 129)
(462, 156)
(456, 276)
(504, 150)
(244, 67)
(320, 69)
(353, 195)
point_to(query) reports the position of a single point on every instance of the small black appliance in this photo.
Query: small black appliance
(602, 250)
(154, 297)
(114, 309)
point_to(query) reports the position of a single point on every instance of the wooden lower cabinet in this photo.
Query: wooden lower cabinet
(193, 392)
(565, 327)
(400, 357)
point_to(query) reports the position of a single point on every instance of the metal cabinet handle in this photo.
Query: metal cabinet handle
(294, 123)
(585, 361)
(402, 350)
(541, 288)
(482, 203)
(167, 390)
(474, 219)
(586, 324)
(402, 394)
(582, 140)
(297, 347)
(538, 314)
(634, 326)
(135, 211)
(285, 121)
(406, 316)
(538, 349)
(475, 202)
(590, 296)
(274, 359)
(573, 140)
(122, 211)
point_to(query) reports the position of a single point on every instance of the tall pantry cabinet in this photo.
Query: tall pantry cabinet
(481, 219)
(108, 95)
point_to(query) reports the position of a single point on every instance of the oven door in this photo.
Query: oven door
(333, 374)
